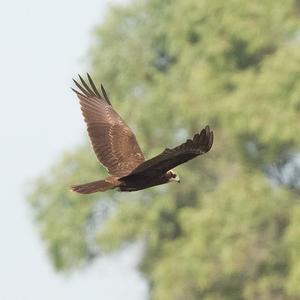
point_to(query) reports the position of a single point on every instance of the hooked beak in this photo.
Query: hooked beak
(176, 179)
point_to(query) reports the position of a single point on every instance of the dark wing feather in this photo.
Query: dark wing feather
(113, 141)
(170, 158)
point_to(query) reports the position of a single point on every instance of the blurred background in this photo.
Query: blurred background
(230, 230)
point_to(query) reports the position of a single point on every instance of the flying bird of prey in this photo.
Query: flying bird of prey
(116, 147)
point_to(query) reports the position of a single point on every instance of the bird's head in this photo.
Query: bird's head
(173, 176)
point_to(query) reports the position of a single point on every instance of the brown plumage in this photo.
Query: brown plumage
(117, 150)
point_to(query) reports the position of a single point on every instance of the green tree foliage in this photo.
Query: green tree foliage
(231, 229)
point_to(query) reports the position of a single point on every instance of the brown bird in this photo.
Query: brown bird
(116, 147)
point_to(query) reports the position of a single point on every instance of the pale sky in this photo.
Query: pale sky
(43, 45)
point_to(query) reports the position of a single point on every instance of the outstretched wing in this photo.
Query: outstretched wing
(170, 158)
(113, 141)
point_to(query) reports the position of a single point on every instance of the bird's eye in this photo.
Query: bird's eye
(173, 175)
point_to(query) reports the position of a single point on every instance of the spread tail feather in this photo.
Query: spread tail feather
(93, 187)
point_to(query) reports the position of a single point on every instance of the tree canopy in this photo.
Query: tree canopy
(231, 229)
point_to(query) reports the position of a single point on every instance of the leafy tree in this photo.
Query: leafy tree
(231, 229)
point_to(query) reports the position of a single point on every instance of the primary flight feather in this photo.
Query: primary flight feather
(117, 149)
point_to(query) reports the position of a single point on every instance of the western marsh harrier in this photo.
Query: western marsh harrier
(116, 147)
